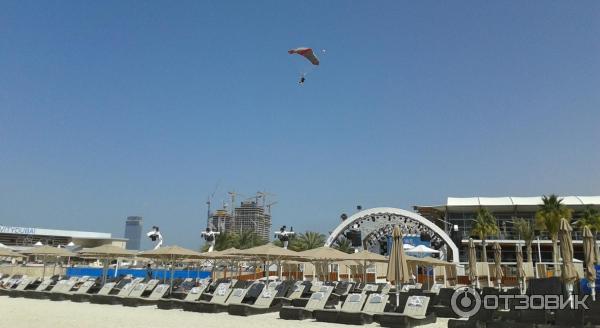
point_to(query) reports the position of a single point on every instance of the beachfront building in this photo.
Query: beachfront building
(460, 212)
(251, 217)
(19, 238)
(133, 232)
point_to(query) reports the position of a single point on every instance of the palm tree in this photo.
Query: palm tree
(484, 226)
(308, 240)
(248, 239)
(344, 245)
(524, 229)
(548, 218)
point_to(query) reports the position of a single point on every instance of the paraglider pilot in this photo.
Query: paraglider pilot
(209, 236)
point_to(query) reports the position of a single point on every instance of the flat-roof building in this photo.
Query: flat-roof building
(22, 237)
(461, 211)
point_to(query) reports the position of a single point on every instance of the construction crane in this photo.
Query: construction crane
(233, 195)
(263, 195)
(208, 202)
(269, 206)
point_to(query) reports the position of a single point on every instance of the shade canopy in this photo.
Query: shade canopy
(324, 253)
(107, 251)
(568, 272)
(367, 256)
(422, 249)
(48, 251)
(5, 252)
(267, 251)
(224, 254)
(428, 261)
(171, 252)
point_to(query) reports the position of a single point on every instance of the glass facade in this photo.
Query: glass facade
(133, 232)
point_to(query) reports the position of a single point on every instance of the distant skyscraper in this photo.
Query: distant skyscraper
(133, 232)
(250, 216)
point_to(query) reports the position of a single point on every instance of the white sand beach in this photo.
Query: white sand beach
(25, 313)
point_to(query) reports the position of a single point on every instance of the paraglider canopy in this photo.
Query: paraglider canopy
(306, 53)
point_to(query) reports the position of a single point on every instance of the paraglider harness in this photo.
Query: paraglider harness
(302, 79)
(284, 236)
(155, 235)
(209, 237)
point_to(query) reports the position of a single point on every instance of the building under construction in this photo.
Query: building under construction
(248, 216)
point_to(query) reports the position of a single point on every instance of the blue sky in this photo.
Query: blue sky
(121, 108)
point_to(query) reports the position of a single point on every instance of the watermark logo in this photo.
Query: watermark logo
(465, 302)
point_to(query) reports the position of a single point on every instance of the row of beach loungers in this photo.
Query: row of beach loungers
(334, 302)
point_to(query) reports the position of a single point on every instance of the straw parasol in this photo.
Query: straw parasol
(324, 255)
(498, 263)
(472, 258)
(106, 253)
(367, 257)
(46, 251)
(226, 254)
(172, 254)
(569, 274)
(520, 270)
(398, 271)
(267, 253)
(6, 252)
(589, 259)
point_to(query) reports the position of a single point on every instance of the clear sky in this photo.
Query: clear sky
(118, 108)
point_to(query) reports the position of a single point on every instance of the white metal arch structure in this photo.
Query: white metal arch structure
(380, 220)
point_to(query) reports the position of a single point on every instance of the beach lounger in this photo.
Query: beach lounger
(64, 284)
(416, 312)
(82, 293)
(192, 296)
(318, 300)
(20, 288)
(353, 304)
(219, 297)
(374, 304)
(42, 287)
(9, 283)
(443, 306)
(122, 289)
(269, 300)
(65, 292)
(135, 297)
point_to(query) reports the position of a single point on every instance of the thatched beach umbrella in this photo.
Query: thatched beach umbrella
(6, 252)
(520, 271)
(267, 253)
(498, 274)
(172, 254)
(569, 274)
(472, 258)
(324, 256)
(398, 271)
(48, 251)
(225, 255)
(590, 259)
(106, 253)
(365, 257)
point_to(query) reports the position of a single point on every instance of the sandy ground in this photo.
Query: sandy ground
(24, 313)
